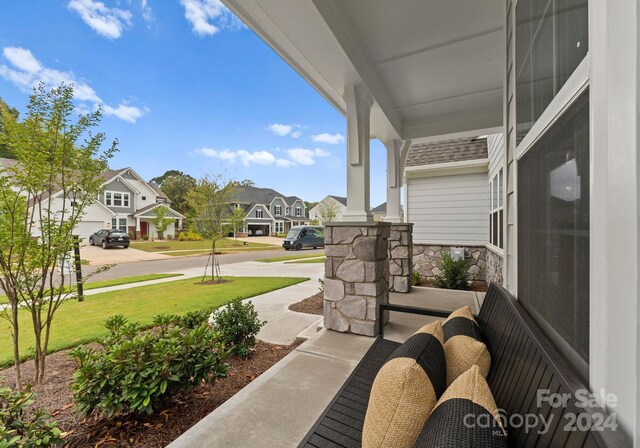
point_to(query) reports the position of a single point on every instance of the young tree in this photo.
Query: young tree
(160, 221)
(328, 211)
(210, 201)
(6, 113)
(43, 196)
(237, 220)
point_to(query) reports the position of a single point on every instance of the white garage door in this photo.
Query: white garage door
(86, 228)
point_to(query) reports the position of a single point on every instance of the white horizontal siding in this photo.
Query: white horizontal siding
(452, 208)
(495, 146)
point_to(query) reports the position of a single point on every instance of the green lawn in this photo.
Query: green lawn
(310, 260)
(290, 257)
(204, 245)
(116, 282)
(80, 322)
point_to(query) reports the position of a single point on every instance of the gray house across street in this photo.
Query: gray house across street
(269, 212)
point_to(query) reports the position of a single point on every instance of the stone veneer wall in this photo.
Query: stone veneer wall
(427, 259)
(356, 276)
(494, 267)
(400, 257)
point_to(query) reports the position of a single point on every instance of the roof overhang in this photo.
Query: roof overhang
(433, 68)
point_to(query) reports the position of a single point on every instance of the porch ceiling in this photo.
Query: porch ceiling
(434, 67)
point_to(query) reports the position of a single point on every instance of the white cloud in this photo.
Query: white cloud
(22, 59)
(147, 13)
(302, 156)
(296, 156)
(27, 71)
(108, 22)
(259, 157)
(280, 129)
(124, 112)
(208, 17)
(245, 157)
(329, 139)
(284, 163)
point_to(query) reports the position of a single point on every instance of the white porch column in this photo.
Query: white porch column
(614, 95)
(359, 103)
(179, 223)
(137, 224)
(394, 180)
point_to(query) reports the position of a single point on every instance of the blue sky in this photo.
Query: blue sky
(183, 85)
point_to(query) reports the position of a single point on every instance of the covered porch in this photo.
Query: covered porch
(419, 72)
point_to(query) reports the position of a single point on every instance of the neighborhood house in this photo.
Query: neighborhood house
(127, 203)
(269, 212)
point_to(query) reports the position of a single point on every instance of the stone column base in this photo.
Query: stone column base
(356, 276)
(401, 257)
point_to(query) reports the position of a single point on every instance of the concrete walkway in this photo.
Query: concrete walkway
(282, 404)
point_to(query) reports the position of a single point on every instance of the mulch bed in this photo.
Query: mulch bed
(153, 431)
(213, 282)
(310, 305)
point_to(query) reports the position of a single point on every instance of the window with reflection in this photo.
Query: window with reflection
(551, 41)
(553, 232)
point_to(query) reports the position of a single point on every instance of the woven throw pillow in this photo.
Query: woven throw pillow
(405, 390)
(466, 416)
(463, 345)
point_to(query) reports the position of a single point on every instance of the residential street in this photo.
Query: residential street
(181, 263)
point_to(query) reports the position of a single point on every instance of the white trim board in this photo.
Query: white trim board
(447, 168)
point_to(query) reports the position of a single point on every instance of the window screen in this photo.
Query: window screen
(553, 232)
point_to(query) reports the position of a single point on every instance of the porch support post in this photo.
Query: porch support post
(138, 230)
(359, 103)
(400, 257)
(394, 180)
(356, 276)
(179, 224)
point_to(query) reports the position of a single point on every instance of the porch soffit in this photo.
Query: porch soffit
(434, 68)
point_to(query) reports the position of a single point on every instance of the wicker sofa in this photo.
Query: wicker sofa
(523, 361)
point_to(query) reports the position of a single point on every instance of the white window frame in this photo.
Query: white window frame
(117, 223)
(278, 210)
(259, 214)
(287, 211)
(495, 181)
(298, 211)
(110, 198)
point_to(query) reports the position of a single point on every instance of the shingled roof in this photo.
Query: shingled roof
(256, 195)
(457, 150)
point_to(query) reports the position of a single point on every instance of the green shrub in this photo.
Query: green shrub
(238, 325)
(137, 370)
(454, 274)
(182, 236)
(192, 235)
(416, 278)
(145, 237)
(21, 426)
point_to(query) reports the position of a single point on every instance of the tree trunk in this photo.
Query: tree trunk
(16, 347)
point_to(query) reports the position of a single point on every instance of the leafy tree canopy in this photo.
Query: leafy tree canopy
(6, 113)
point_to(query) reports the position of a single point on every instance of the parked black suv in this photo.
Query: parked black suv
(109, 238)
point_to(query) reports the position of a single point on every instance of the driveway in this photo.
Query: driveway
(98, 256)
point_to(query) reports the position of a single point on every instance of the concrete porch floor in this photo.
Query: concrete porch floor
(280, 406)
